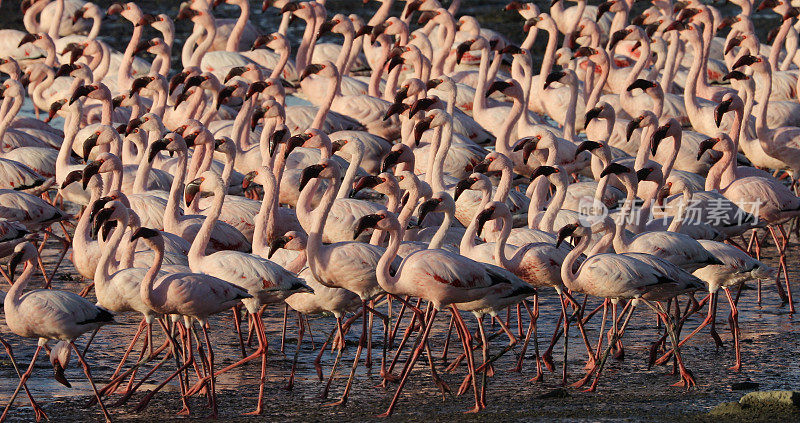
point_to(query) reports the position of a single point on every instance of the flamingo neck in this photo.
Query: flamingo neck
(549, 219)
(352, 170)
(171, 211)
(325, 107)
(437, 67)
(438, 238)
(124, 77)
(236, 33)
(305, 44)
(198, 249)
(569, 277)
(479, 102)
(103, 271)
(314, 243)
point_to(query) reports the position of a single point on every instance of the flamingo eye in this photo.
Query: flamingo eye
(399, 178)
(160, 19)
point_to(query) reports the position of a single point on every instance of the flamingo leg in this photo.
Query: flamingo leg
(129, 349)
(325, 390)
(361, 344)
(470, 361)
(211, 366)
(301, 329)
(611, 343)
(88, 373)
(709, 318)
(237, 324)
(283, 330)
(687, 379)
(735, 330)
(447, 339)
(412, 360)
(22, 379)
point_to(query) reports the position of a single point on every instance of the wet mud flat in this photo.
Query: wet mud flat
(627, 391)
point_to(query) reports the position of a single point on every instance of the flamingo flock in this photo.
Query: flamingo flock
(412, 164)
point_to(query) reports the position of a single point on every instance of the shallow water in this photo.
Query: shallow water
(628, 389)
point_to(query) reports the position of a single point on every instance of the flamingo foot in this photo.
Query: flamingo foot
(473, 410)
(736, 367)
(184, 411)
(687, 379)
(547, 359)
(342, 402)
(581, 383)
(255, 412)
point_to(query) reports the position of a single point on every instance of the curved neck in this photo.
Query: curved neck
(172, 210)
(305, 45)
(146, 287)
(318, 224)
(503, 140)
(568, 276)
(197, 55)
(238, 29)
(444, 49)
(14, 294)
(764, 90)
(549, 219)
(325, 107)
(479, 102)
(124, 77)
(352, 170)
(103, 271)
(200, 243)
(690, 91)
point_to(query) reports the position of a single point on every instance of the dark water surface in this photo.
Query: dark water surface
(628, 390)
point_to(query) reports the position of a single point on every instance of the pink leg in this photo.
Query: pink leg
(91, 381)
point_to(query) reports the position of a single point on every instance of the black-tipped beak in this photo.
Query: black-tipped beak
(248, 179)
(310, 173)
(543, 171)
(616, 38)
(58, 369)
(146, 20)
(395, 62)
(733, 42)
(325, 28)
(643, 173)
(27, 38)
(462, 186)
(720, 111)
(584, 52)
(99, 220)
(390, 160)
(290, 7)
(368, 181)
(71, 177)
(395, 109)
(553, 77)
(421, 104)
(277, 244)
(745, 60)
(614, 168)
(81, 91)
(276, 138)
(186, 12)
(420, 128)
(193, 81)
(133, 124)
(462, 49)
(91, 169)
(427, 207)
(191, 190)
(658, 136)
(16, 259)
(115, 9)
(311, 69)
(155, 147)
(484, 216)
(377, 30)
(143, 232)
(366, 222)
(254, 88)
(64, 70)
(591, 114)
(499, 86)
(88, 145)
(224, 94)
(177, 80)
(641, 84)
(587, 146)
(54, 108)
(706, 145)
(602, 9)
(632, 126)
(139, 83)
(235, 71)
(425, 16)
(565, 232)
(98, 205)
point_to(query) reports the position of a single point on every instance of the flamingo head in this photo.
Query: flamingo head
(366, 182)
(587, 146)
(566, 231)
(292, 240)
(23, 253)
(706, 145)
